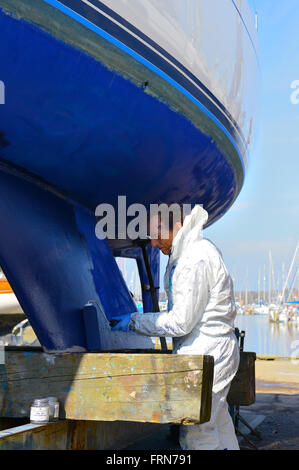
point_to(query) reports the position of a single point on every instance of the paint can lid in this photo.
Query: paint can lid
(52, 399)
(40, 402)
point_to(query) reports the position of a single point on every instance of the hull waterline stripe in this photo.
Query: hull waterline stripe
(112, 15)
(69, 12)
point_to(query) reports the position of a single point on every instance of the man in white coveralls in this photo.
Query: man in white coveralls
(200, 319)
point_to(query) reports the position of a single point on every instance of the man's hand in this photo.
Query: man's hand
(123, 323)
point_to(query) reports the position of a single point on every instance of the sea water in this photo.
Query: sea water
(265, 337)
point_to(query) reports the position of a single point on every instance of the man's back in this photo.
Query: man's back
(219, 312)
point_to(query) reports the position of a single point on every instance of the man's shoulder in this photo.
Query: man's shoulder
(202, 250)
(208, 248)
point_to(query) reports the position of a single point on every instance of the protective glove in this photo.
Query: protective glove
(123, 323)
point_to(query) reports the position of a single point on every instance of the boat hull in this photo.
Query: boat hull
(89, 126)
(98, 105)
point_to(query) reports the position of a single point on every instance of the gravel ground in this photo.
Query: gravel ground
(277, 398)
(280, 428)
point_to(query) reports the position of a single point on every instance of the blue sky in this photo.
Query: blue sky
(266, 214)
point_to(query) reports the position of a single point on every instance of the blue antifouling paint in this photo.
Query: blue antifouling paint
(95, 135)
(55, 267)
(46, 262)
(107, 279)
(90, 317)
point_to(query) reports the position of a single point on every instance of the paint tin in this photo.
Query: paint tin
(53, 408)
(39, 411)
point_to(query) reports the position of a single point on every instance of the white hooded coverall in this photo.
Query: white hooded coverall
(200, 319)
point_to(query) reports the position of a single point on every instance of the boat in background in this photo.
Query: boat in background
(284, 314)
(240, 310)
(289, 313)
(275, 313)
(287, 310)
(261, 309)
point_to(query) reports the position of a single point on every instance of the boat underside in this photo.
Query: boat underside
(92, 112)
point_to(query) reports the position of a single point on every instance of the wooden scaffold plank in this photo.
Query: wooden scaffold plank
(114, 386)
(75, 435)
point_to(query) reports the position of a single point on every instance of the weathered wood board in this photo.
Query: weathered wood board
(147, 387)
(75, 435)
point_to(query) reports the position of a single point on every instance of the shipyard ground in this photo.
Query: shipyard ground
(275, 414)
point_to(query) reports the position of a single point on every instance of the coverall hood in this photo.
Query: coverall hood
(190, 231)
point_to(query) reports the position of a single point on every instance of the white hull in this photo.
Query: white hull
(263, 310)
(225, 62)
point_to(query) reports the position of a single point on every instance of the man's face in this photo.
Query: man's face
(160, 236)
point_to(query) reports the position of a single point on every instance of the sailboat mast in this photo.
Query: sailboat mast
(269, 280)
(264, 283)
(246, 295)
(290, 270)
(258, 285)
(292, 285)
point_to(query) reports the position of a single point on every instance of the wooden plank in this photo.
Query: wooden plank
(242, 390)
(75, 435)
(152, 387)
